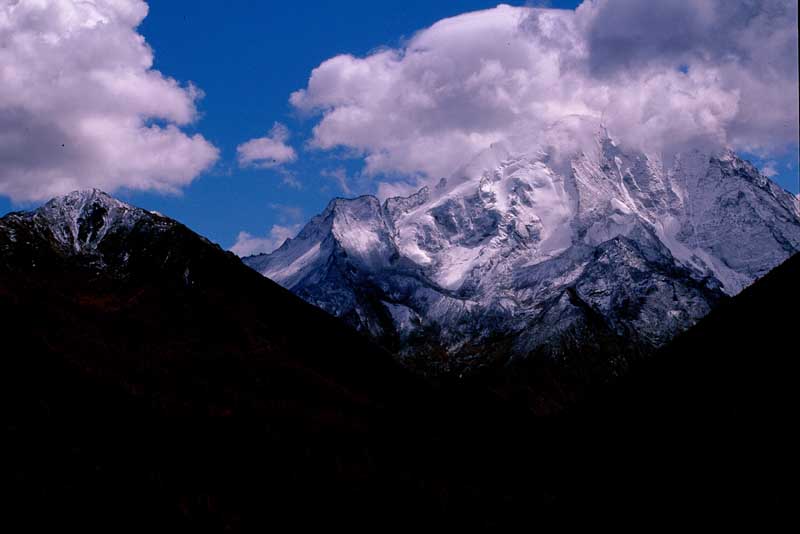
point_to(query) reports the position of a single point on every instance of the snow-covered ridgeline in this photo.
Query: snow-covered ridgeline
(489, 248)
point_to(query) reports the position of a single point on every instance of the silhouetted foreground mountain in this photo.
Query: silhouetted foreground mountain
(739, 361)
(112, 317)
(710, 422)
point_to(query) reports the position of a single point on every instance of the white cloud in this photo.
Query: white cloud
(289, 218)
(286, 212)
(340, 176)
(661, 78)
(81, 106)
(769, 169)
(745, 52)
(269, 151)
(290, 179)
(248, 244)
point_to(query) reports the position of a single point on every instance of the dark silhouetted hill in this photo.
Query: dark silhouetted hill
(123, 331)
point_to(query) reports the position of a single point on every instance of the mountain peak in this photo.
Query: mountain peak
(342, 203)
(80, 203)
(81, 219)
(81, 198)
(528, 238)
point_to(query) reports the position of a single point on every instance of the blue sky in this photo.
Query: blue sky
(248, 57)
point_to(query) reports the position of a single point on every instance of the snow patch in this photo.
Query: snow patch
(284, 273)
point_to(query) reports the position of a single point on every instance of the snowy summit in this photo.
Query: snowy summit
(533, 239)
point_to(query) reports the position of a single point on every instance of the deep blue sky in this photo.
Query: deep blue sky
(248, 56)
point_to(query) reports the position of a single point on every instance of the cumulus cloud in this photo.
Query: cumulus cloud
(288, 217)
(81, 105)
(268, 151)
(248, 244)
(660, 75)
(746, 51)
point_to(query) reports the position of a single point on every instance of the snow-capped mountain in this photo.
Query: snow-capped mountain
(79, 221)
(96, 230)
(571, 240)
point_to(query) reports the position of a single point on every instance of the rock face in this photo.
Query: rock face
(574, 241)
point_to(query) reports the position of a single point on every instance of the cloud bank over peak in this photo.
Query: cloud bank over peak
(661, 76)
(81, 105)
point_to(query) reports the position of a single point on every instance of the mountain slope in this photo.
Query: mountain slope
(525, 250)
(103, 339)
(114, 262)
(113, 317)
(740, 361)
(708, 419)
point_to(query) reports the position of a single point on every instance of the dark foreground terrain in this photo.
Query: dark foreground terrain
(95, 352)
